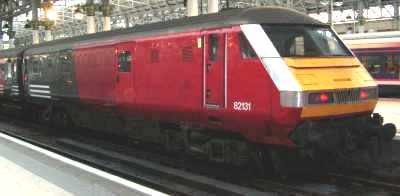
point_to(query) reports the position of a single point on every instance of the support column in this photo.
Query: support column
(90, 20)
(90, 24)
(106, 23)
(126, 21)
(289, 3)
(361, 19)
(48, 24)
(330, 13)
(192, 8)
(1, 34)
(35, 22)
(48, 35)
(107, 9)
(11, 33)
(213, 6)
(258, 3)
(396, 15)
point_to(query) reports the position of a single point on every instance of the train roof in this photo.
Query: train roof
(261, 15)
(374, 35)
(11, 52)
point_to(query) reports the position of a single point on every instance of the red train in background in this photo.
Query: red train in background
(380, 54)
(235, 87)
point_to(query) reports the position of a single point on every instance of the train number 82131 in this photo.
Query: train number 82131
(241, 106)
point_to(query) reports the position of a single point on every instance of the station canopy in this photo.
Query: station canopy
(68, 16)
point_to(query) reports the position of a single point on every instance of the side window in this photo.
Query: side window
(213, 47)
(14, 69)
(375, 64)
(9, 69)
(65, 61)
(392, 65)
(246, 50)
(52, 63)
(2, 72)
(124, 61)
(35, 67)
(44, 67)
(41, 65)
(25, 67)
(65, 64)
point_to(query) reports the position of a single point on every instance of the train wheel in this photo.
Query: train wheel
(261, 161)
(61, 119)
(46, 116)
(374, 152)
(167, 140)
(279, 163)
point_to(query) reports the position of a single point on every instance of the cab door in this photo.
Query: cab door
(124, 87)
(214, 55)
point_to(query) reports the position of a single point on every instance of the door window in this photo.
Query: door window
(213, 48)
(124, 61)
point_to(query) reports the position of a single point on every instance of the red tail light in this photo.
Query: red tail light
(364, 94)
(323, 97)
(319, 98)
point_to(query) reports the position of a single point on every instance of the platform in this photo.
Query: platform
(390, 110)
(29, 170)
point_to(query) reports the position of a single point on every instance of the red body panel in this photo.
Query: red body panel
(173, 86)
(95, 73)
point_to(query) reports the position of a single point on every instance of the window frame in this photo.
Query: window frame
(243, 42)
(125, 69)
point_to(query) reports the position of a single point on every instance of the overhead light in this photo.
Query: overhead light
(51, 14)
(78, 14)
(324, 3)
(338, 3)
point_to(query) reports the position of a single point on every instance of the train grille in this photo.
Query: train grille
(346, 96)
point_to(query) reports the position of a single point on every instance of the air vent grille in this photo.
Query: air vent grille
(187, 53)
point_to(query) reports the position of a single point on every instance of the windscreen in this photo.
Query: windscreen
(305, 41)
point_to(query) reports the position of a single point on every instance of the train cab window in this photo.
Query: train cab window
(213, 47)
(305, 41)
(297, 46)
(246, 50)
(124, 61)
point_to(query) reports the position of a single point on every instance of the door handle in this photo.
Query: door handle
(117, 78)
(208, 93)
(208, 66)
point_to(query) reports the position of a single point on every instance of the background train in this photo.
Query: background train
(239, 86)
(380, 54)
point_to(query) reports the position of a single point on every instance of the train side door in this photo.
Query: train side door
(124, 87)
(214, 55)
